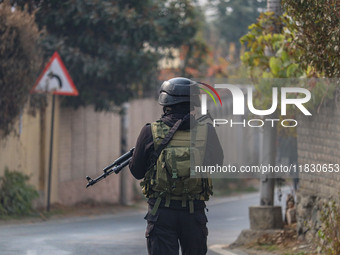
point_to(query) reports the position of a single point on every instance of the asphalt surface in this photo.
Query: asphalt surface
(119, 234)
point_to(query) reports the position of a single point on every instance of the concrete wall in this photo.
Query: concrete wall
(85, 142)
(20, 150)
(318, 143)
(27, 148)
(141, 111)
(88, 141)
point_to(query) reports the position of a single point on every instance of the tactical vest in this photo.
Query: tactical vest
(172, 177)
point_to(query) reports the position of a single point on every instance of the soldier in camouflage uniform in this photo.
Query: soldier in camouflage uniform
(176, 213)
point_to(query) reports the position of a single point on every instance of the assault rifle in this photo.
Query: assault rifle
(124, 160)
(115, 167)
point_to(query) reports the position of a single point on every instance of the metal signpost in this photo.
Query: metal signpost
(54, 80)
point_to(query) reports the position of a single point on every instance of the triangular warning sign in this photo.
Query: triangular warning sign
(55, 79)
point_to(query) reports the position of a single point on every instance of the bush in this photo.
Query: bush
(16, 195)
(329, 232)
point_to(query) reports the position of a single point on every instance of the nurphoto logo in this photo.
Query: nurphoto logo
(238, 97)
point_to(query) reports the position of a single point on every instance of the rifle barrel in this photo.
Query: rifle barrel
(115, 167)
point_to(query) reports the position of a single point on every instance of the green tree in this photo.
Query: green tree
(317, 26)
(20, 62)
(112, 48)
(282, 62)
(269, 53)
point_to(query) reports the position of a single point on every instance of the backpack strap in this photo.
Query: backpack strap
(156, 153)
(166, 140)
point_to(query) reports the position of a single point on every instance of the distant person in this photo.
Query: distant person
(288, 153)
(176, 213)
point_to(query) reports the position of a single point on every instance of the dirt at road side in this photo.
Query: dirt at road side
(284, 242)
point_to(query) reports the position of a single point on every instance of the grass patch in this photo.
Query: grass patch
(269, 247)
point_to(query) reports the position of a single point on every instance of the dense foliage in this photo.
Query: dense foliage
(273, 55)
(317, 26)
(20, 62)
(112, 48)
(16, 195)
(270, 52)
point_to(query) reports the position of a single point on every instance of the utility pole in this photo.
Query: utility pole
(269, 137)
(268, 216)
(269, 153)
(124, 175)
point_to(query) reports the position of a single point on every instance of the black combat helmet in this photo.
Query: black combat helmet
(179, 90)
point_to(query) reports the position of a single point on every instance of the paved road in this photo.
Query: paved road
(121, 234)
